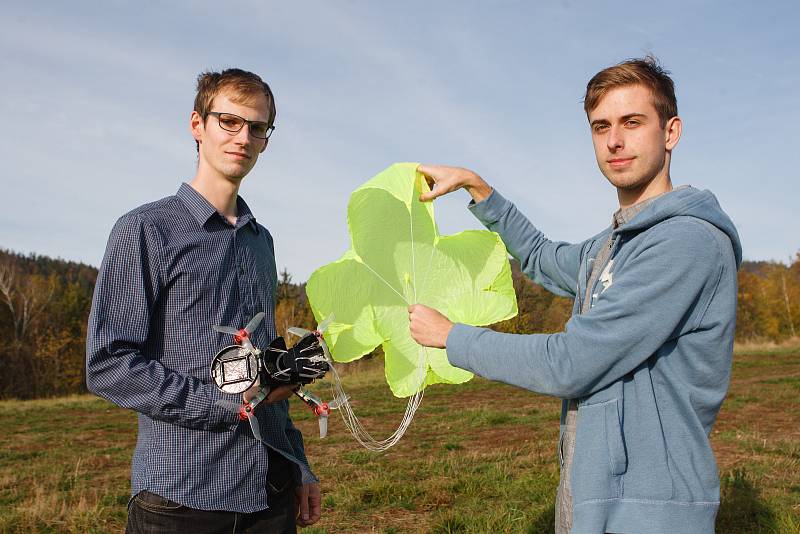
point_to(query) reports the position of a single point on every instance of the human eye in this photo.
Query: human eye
(599, 127)
(230, 122)
(259, 129)
(632, 123)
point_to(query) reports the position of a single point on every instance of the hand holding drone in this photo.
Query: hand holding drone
(239, 367)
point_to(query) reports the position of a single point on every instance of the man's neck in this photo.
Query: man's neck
(655, 187)
(220, 193)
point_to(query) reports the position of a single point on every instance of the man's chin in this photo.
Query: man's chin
(624, 180)
(237, 173)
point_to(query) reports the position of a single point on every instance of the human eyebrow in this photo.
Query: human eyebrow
(629, 116)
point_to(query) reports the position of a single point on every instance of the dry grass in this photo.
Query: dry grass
(756, 346)
(478, 458)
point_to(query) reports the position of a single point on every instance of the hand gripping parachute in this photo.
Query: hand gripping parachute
(397, 258)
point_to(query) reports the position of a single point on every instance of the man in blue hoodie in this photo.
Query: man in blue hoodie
(644, 363)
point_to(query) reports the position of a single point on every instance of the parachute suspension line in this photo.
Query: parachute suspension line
(413, 256)
(355, 427)
(382, 279)
(361, 435)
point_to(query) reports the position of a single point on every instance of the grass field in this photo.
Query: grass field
(480, 457)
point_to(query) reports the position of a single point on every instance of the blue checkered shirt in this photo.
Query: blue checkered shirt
(172, 269)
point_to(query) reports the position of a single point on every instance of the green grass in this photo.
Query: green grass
(480, 457)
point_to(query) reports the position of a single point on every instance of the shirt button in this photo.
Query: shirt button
(241, 269)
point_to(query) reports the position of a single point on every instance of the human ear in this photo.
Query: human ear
(672, 132)
(196, 126)
(266, 142)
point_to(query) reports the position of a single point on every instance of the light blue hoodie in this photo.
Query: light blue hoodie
(649, 363)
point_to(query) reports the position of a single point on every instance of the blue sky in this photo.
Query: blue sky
(96, 98)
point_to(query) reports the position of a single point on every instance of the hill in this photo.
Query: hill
(45, 302)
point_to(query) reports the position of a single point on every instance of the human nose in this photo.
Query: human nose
(615, 140)
(243, 136)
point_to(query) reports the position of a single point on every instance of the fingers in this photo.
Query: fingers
(428, 327)
(444, 179)
(302, 509)
(437, 177)
(427, 172)
(309, 504)
(432, 194)
(315, 504)
(424, 169)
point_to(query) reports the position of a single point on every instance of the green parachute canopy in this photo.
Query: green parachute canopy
(398, 258)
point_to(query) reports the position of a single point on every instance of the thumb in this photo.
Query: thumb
(430, 195)
(304, 503)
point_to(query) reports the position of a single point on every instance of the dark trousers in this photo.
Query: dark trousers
(149, 513)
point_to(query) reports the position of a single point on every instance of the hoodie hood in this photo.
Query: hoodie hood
(687, 201)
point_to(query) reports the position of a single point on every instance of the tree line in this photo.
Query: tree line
(45, 302)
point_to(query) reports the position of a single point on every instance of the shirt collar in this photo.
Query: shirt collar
(202, 210)
(624, 215)
(245, 215)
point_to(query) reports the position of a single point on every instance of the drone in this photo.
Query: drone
(237, 368)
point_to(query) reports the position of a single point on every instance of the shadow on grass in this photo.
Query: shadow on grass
(545, 521)
(741, 509)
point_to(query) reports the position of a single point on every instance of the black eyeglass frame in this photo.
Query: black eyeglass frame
(218, 115)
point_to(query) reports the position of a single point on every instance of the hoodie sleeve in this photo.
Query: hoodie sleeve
(553, 265)
(663, 289)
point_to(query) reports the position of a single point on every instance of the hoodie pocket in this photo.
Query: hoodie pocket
(600, 456)
(617, 457)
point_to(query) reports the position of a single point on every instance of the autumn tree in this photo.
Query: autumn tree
(44, 308)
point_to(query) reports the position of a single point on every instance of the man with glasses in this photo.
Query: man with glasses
(172, 269)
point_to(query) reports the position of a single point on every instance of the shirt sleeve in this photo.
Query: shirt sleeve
(662, 291)
(128, 286)
(296, 440)
(553, 265)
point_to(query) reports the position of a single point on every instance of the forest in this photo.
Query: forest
(45, 302)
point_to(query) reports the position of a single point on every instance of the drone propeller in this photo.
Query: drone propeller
(226, 330)
(241, 336)
(321, 409)
(251, 416)
(247, 410)
(254, 322)
(338, 402)
(301, 332)
(323, 425)
(324, 411)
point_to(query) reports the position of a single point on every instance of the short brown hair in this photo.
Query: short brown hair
(643, 71)
(243, 86)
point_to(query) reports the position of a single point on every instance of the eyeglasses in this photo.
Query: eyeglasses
(233, 123)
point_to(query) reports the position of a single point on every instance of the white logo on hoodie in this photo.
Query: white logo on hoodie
(607, 277)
